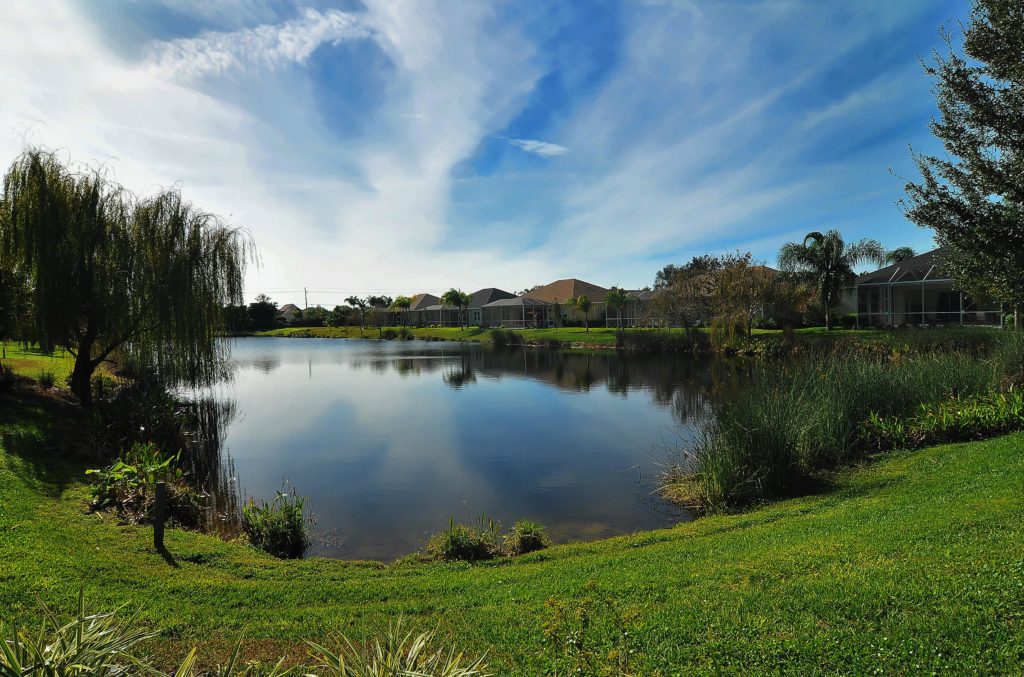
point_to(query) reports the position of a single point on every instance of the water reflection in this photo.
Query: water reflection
(390, 439)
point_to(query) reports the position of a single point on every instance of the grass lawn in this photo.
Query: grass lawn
(912, 564)
(30, 361)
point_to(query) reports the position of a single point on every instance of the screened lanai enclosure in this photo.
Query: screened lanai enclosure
(917, 292)
(519, 313)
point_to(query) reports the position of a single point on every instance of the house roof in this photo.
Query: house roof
(288, 308)
(641, 294)
(420, 301)
(482, 297)
(915, 269)
(516, 301)
(439, 306)
(563, 290)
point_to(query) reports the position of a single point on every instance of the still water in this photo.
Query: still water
(390, 439)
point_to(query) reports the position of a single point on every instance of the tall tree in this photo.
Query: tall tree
(582, 306)
(686, 300)
(899, 255)
(262, 313)
(360, 305)
(401, 305)
(109, 273)
(379, 304)
(456, 298)
(973, 196)
(828, 261)
(616, 298)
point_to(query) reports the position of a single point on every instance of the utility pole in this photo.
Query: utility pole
(305, 295)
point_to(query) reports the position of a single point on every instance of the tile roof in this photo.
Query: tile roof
(517, 301)
(420, 301)
(563, 290)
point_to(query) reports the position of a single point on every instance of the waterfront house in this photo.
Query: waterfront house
(288, 313)
(559, 292)
(916, 291)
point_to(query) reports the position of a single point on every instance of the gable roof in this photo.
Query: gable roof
(288, 308)
(563, 290)
(421, 301)
(482, 297)
(915, 269)
(516, 301)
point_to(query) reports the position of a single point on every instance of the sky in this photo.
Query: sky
(396, 147)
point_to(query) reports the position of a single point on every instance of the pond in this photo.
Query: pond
(391, 439)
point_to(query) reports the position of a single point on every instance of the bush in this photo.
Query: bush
(526, 536)
(667, 342)
(279, 527)
(848, 321)
(128, 487)
(460, 542)
(405, 334)
(389, 334)
(46, 378)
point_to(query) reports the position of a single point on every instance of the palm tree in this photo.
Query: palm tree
(456, 298)
(582, 305)
(617, 299)
(899, 255)
(828, 261)
(361, 305)
(401, 305)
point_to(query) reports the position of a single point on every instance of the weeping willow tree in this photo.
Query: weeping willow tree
(111, 276)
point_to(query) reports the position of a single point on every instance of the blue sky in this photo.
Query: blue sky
(398, 147)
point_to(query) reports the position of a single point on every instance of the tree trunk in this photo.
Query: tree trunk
(1016, 318)
(81, 375)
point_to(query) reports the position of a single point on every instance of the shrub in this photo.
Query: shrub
(848, 321)
(460, 542)
(280, 527)
(405, 334)
(526, 536)
(661, 341)
(389, 334)
(128, 487)
(46, 378)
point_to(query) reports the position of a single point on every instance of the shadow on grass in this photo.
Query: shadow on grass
(38, 431)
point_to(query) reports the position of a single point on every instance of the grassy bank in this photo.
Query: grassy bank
(914, 564)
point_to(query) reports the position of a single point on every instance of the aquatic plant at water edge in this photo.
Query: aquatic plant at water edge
(460, 542)
(128, 486)
(280, 527)
(526, 536)
(792, 420)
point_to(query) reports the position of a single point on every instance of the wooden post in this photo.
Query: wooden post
(159, 515)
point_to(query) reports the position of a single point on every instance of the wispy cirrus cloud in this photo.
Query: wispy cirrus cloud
(541, 148)
(266, 45)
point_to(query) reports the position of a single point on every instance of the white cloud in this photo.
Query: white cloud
(541, 148)
(266, 45)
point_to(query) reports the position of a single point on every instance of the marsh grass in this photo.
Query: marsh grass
(280, 527)
(793, 419)
(526, 536)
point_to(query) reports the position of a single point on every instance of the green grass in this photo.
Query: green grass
(30, 361)
(909, 565)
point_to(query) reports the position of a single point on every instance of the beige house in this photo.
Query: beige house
(560, 291)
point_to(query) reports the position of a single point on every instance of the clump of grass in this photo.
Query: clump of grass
(461, 542)
(526, 536)
(280, 527)
(46, 378)
(398, 653)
